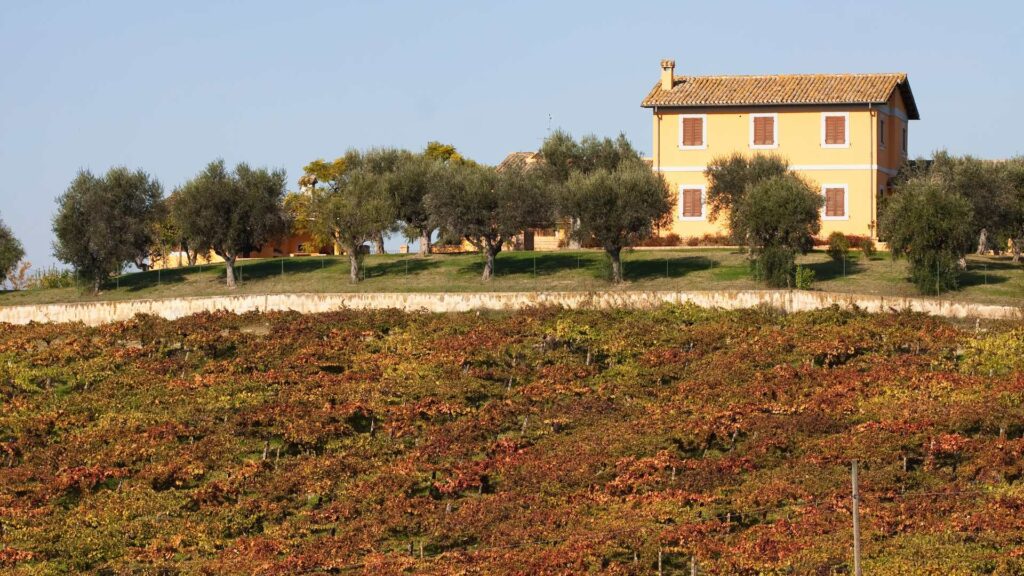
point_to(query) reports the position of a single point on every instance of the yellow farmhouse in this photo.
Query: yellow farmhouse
(845, 133)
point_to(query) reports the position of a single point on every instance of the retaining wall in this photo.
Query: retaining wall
(95, 313)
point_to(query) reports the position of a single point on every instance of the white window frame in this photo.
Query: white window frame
(775, 131)
(703, 203)
(703, 135)
(846, 201)
(846, 129)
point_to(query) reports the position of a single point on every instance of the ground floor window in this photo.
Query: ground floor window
(691, 202)
(836, 203)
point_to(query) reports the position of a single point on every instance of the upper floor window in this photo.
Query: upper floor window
(833, 130)
(691, 202)
(764, 131)
(881, 133)
(904, 140)
(693, 131)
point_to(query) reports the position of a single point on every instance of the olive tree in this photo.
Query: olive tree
(610, 196)
(777, 218)
(231, 212)
(931, 226)
(353, 210)
(487, 207)
(104, 223)
(410, 184)
(616, 208)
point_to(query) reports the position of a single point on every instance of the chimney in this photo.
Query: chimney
(668, 73)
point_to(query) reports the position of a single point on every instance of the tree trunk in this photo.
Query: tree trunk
(96, 282)
(192, 256)
(378, 243)
(229, 270)
(425, 243)
(353, 263)
(491, 250)
(982, 242)
(616, 256)
(1016, 249)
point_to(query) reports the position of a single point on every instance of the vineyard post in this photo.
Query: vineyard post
(693, 565)
(282, 267)
(659, 561)
(856, 520)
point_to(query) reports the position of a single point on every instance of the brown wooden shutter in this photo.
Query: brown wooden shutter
(764, 131)
(692, 203)
(835, 130)
(693, 131)
(835, 202)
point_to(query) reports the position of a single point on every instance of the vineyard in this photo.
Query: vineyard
(539, 442)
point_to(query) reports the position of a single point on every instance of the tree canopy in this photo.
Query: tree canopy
(11, 251)
(730, 177)
(104, 223)
(995, 190)
(231, 212)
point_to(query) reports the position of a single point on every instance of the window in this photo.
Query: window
(693, 131)
(763, 131)
(835, 201)
(881, 133)
(904, 140)
(833, 130)
(691, 202)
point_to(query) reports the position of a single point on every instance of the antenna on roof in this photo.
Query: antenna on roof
(549, 123)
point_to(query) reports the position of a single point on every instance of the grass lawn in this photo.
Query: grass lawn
(987, 280)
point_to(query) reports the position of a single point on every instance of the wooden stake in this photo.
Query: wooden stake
(659, 561)
(856, 520)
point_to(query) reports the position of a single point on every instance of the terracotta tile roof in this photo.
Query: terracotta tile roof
(519, 160)
(785, 89)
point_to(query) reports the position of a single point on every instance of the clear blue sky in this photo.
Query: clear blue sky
(169, 86)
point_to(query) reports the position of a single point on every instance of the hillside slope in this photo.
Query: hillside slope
(541, 442)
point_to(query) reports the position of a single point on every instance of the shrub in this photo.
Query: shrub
(53, 278)
(838, 246)
(710, 240)
(804, 278)
(867, 246)
(672, 239)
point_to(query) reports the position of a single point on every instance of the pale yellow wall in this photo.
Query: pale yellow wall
(860, 165)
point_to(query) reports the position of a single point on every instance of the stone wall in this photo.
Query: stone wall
(95, 313)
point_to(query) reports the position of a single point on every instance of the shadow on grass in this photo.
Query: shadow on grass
(142, 280)
(981, 274)
(398, 267)
(832, 269)
(652, 268)
(539, 263)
